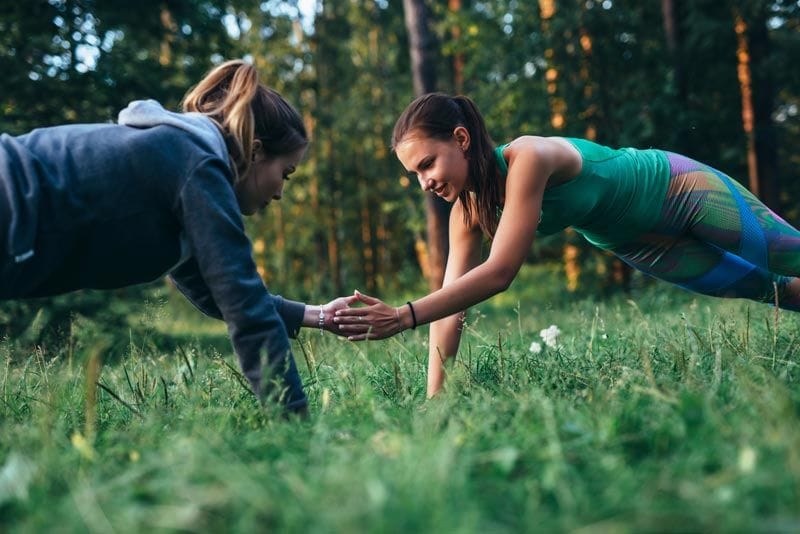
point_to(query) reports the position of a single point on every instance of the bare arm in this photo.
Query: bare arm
(527, 177)
(531, 162)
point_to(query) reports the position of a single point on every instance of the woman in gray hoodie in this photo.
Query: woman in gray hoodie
(111, 205)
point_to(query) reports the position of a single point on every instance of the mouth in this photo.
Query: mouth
(440, 190)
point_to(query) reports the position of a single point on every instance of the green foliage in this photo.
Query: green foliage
(669, 413)
(71, 61)
(349, 217)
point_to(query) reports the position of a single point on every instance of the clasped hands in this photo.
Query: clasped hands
(374, 320)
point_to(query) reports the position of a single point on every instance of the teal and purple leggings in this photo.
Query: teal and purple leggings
(714, 237)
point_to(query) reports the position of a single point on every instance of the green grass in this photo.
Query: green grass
(670, 413)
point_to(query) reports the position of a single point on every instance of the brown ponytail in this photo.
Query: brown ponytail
(436, 115)
(245, 110)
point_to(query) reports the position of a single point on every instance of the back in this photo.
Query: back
(615, 190)
(78, 192)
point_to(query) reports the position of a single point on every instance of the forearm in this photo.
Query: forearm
(445, 335)
(477, 285)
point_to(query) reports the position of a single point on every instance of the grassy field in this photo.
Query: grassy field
(662, 413)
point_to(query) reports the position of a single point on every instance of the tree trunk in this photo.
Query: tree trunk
(763, 95)
(745, 85)
(674, 36)
(367, 249)
(558, 106)
(423, 47)
(328, 165)
(167, 22)
(571, 254)
(334, 263)
(458, 57)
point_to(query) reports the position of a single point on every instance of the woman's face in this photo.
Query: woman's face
(263, 182)
(441, 166)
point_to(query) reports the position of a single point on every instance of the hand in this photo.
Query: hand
(376, 320)
(329, 309)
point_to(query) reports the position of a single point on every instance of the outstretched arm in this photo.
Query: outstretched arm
(529, 169)
(189, 281)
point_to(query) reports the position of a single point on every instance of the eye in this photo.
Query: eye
(426, 163)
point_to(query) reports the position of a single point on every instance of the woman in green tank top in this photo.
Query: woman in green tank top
(664, 214)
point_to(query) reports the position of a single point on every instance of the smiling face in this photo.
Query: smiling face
(264, 180)
(441, 166)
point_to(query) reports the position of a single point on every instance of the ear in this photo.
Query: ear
(257, 146)
(461, 136)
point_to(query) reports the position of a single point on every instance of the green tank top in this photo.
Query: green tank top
(617, 196)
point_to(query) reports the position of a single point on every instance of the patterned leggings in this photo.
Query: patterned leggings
(714, 237)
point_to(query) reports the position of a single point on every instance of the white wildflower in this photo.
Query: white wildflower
(550, 336)
(747, 459)
(536, 348)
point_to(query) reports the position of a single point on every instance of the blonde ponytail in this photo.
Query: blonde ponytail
(245, 110)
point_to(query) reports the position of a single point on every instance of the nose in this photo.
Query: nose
(427, 184)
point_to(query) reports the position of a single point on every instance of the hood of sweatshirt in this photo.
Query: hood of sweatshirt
(149, 113)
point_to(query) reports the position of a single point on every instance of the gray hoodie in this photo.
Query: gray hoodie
(110, 205)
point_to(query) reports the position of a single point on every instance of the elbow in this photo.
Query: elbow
(503, 284)
(502, 278)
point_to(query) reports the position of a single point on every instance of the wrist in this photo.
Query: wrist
(404, 317)
(321, 318)
(311, 315)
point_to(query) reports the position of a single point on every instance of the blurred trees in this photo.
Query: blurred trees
(423, 50)
(624, 72)
(82, 61)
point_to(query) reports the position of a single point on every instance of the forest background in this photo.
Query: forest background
(655, 410)
(712, 79)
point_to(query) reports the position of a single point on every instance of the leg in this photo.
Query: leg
(707, 269)
(713, 208)
(716, 238)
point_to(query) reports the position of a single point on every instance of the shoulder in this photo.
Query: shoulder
(545, 153)
(538, 146)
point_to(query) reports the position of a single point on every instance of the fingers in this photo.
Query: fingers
(334, 305)
(349, 313)
(350, 299)
(366, 299)
(352, 328)
(341, 302)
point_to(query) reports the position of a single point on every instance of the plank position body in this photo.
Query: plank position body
(110, 205)
(664, 214)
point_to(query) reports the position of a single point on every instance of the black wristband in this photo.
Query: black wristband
(413, 315)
